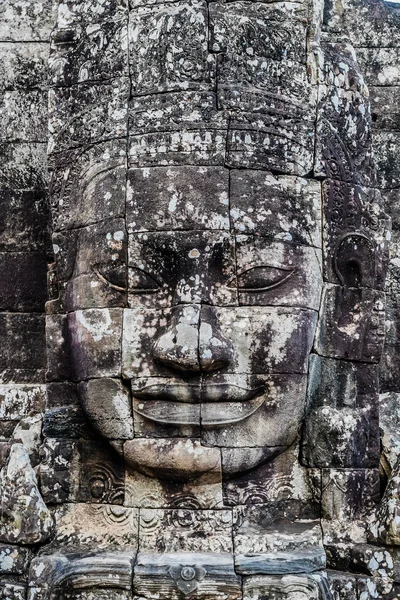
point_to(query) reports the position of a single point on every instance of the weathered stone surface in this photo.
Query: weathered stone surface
(351, 314)
(82, 570)
(25, 518)
(301, 587)
(107, 403)
(193, 269)
(65, 422)
(204, 492)
(26, 22)
(25, 116)
(79, 53)
(343, 149)
(23, 276)
(192, 237)
(22, 355)
(23, 66)
(23, 166)
(58, 470)
(101, 474)
(91, 266)
(23, 218)
(97, 526)
(279, 207)
(17, 401)
(13, 559)
(10, 591)
(341, 427)
(283, 489)
(348, 497)
(77, 117)
(182, 197)
(181, 530)
(180, 459)
(88, 185)
(95, 334)
(184, 51)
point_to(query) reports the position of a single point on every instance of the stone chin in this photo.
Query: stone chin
(184, 459)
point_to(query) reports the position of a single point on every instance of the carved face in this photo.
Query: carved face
(206, 301)
(192, 292)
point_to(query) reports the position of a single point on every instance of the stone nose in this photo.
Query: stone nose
(215, 350)
(192, 342)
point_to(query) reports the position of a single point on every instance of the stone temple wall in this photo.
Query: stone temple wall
(197, 399)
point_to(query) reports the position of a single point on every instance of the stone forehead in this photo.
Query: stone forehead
(183, 198)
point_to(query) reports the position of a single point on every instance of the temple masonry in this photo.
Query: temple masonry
(199, 300)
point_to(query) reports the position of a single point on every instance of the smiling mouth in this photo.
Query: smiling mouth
(211, 405)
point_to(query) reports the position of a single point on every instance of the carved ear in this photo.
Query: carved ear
(354, 261)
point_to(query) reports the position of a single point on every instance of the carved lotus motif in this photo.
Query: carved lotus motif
(187, 577)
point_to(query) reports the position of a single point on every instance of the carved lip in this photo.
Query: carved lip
(215, 414)
(196, 393)
(211, 405)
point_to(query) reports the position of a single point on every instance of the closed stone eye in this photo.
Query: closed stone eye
(113, 275)
(263, 278)
(141, 282)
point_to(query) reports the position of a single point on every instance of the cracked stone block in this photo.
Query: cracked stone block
(57, 471)
(101, 474)
(341, 427)
(253, 143)
(58, 347)
(295, 279)
(286, 490)
(107, 403)
(169, 576)
(178, 459)
(351, 314)
(194, 268)
(301, 587)
(348, 497)
(356, 232)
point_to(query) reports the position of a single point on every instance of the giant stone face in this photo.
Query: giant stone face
(193, 238)
(222, 282)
